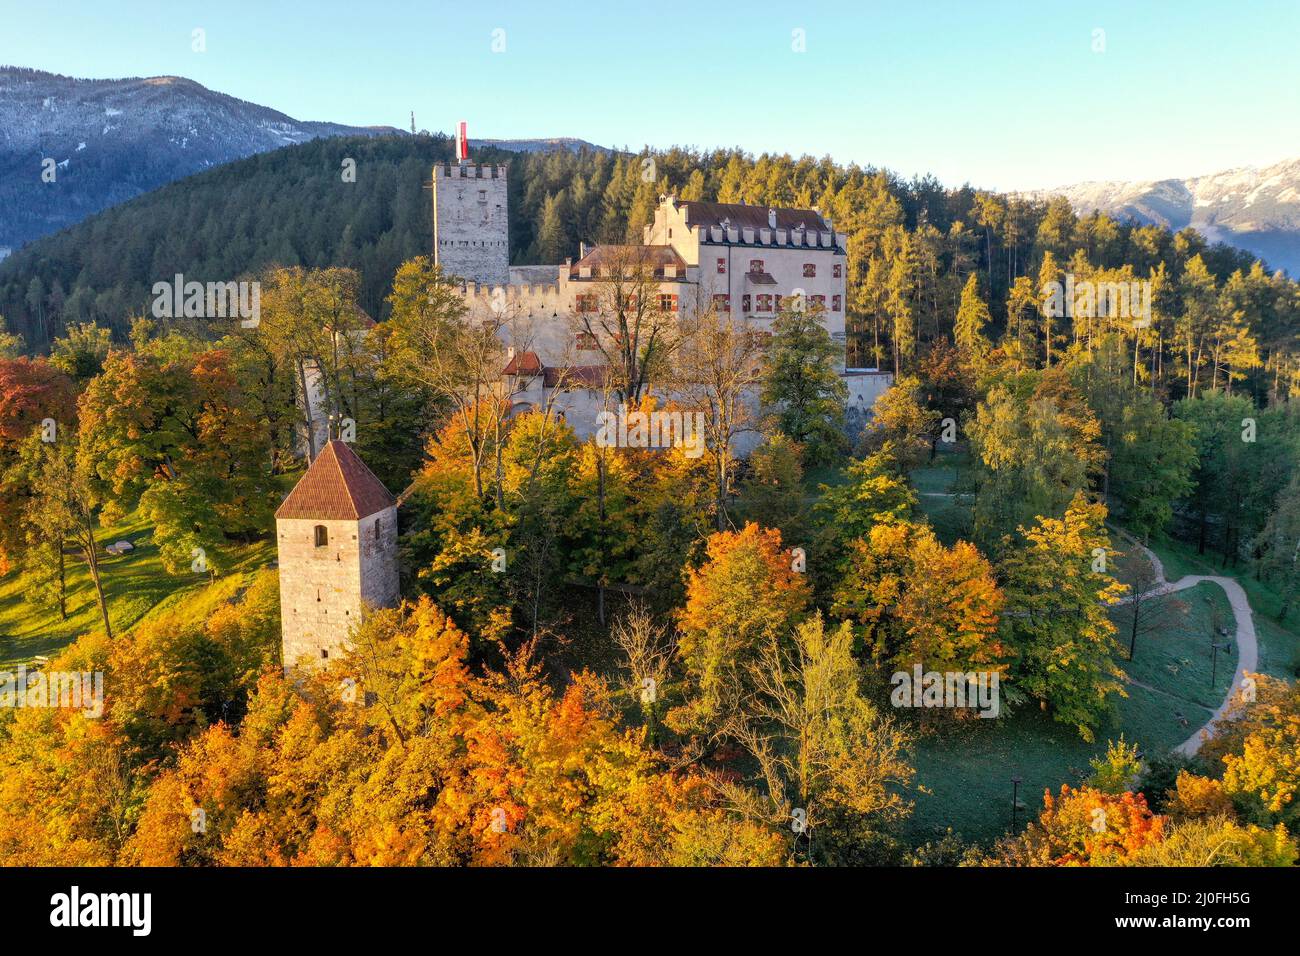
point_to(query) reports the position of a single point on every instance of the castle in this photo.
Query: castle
(337, 530)
(744, 261)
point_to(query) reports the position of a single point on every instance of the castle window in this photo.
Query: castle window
(835, 303)
(667, 302)
(837, 270)
(482, 195)
(764, 302)
(324, 653)
(809, 270)
(586, 302)
(322, 536)
(586, 342)
(722, 265)
(756, 265)
(722, 302)
(744, 302)
(819, 301)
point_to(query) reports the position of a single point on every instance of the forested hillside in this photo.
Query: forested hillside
(913, 246)
(71, 147)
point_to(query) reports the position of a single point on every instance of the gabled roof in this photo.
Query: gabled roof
(740, 215)
(629, 257)
(577, 376)
(523, 363)
(337, 487)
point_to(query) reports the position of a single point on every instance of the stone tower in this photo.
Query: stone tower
(470, 219)
(337, 540)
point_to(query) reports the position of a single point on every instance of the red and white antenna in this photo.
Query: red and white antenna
(462, 142)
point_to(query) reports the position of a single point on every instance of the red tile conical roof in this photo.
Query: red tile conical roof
(338, 486)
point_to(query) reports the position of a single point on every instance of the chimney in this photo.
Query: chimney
(771, 218)
(582, 250)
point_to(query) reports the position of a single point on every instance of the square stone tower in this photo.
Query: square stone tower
(470, 222)
(337, 539)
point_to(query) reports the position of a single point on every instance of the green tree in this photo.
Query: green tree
(802, 386)
(1056, 621)
(829, 761)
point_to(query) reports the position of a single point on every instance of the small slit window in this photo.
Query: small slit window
(322, 536)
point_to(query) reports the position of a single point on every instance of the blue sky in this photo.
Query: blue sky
(1006, 95)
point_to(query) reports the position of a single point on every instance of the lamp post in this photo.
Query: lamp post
(1214, 660)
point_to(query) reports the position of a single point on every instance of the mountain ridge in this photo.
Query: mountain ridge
(113, 139)
(1255, 208)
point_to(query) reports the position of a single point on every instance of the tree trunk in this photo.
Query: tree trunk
(63, 584)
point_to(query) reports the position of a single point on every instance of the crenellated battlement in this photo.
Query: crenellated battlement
(523, 298)
(470, 171)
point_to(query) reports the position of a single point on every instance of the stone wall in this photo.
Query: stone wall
(325, 589)
(470, 222)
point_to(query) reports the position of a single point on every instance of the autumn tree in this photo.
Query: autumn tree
(922, 603)
(31, 391)
(1037, 448)
(972, 319)
(1056, 620)
(745, 596)
(829, 760)
(460, 358)
(65, 505)
(627, 319)
(713, 367)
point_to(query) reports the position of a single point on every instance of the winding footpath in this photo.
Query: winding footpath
(1247, 646)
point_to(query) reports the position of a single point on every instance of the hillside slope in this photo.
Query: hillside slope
(111, 140)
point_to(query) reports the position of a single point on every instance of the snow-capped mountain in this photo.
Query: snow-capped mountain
(1253, 208)
(109, 140)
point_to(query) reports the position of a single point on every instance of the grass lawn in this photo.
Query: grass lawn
(964, 773)
(1279, 642)
(135, 585)
(951, 517)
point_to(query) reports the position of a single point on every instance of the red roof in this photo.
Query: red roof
(523, 363)
(338, 486)
(577, 376)
(608, 258)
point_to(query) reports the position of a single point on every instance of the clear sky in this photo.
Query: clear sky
(1004, 95)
